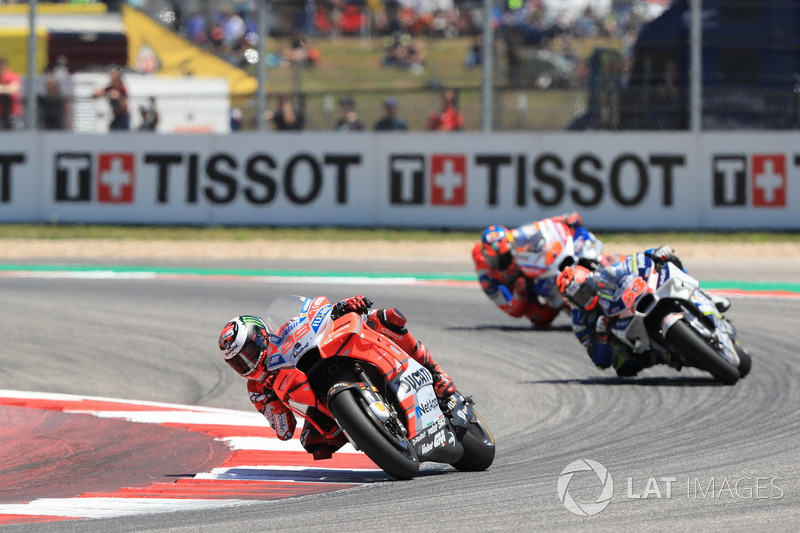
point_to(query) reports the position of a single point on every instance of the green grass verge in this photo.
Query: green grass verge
(186, 233)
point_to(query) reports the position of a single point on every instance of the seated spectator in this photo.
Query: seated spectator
(404, 52)
(195, 29)
(475, 56)
(233, 26)
(302, 51)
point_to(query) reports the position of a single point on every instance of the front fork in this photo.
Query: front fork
(720, 333)
(377, 407)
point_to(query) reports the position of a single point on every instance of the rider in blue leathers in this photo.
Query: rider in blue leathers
(590, 295)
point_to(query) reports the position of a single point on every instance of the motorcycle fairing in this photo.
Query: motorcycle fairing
(313, 332)
(438, 443)
(299, 334)
(586, 244)
(550, 243)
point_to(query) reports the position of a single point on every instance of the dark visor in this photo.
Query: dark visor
(500, 261)
(246, 360)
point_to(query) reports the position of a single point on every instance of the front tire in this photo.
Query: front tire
(689, 343)
(479, 448)
(393, 453)
(745, 361)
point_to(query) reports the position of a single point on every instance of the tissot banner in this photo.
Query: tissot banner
(459, 180)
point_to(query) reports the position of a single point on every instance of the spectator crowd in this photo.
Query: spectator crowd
(229, 29)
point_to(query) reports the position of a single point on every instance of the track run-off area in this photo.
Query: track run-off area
(119, 447)
(119, 415)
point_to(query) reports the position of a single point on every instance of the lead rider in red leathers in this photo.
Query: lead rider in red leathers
(244, 342)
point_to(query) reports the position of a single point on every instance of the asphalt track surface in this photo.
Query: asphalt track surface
(698, 455)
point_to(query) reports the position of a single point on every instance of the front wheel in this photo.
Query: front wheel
(745, 361)
(479, 448)
(390, 451)
(685, 339)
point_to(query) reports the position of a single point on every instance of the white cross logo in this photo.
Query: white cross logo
(116, 178)
(769, 181)
(448, 180)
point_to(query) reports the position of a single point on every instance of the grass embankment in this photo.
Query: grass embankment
(241, 234)
(353, 65)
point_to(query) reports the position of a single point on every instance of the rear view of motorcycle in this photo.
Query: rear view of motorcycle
(553, 248)
(665, 311)
(381, 398)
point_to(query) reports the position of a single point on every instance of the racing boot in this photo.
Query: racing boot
(668, 358)
(321, 446)
(392, 323)
(720, 302)
(541, 316)
(443, 385)
(674, 361)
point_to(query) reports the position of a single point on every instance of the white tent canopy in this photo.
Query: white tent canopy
(424, 6)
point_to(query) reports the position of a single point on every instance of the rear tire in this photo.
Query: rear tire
(393, 453)
(701, 353)
(479, 448)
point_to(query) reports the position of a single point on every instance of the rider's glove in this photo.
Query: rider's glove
(281, 419)
(356, 304)
(661, 254)
(572, 219)
(664, 253)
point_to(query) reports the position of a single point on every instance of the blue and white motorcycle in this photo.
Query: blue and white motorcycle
(665, 311)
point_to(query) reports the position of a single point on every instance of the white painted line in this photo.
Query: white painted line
(112, 507)
(275, 445)
(234, 418)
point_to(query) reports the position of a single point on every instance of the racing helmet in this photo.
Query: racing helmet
(497, 247)
(243, 344)
(578, 285)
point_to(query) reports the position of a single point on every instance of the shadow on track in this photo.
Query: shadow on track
(320, 475)
(499, 327)
(655, 381)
